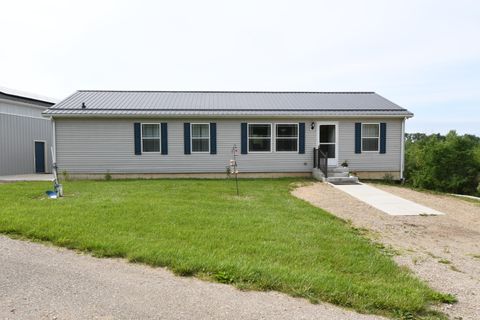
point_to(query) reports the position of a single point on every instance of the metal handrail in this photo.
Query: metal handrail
(320, 161)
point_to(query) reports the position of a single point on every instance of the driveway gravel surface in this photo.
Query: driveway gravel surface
(443, 250)
(42, 282)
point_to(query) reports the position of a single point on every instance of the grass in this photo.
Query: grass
(266, 239)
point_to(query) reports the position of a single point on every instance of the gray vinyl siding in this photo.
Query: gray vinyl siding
(370, 161)
(17, 135)
(101, 145)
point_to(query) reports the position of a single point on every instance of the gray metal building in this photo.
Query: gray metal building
(25, 136)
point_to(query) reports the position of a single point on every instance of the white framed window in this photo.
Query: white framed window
(200, 137)
(286, 137)
(370, 137)
(150, 137)
(259, 137)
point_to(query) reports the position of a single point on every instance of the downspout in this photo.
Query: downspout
(402, 150)
(54, 142)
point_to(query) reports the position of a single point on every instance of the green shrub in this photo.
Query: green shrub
(448, 163)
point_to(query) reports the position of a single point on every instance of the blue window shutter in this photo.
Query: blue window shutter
(186, 138)
(244, 142)
(358, 137)
(213, 138)
(383, 137)
(164, 135)
(137, 137)
(301, 137)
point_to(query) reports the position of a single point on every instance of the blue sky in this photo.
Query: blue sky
(423, 55)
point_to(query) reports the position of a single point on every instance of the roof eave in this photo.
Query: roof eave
(226, 115)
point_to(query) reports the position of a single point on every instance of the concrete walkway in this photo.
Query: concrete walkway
(386, 202)
(27, 177)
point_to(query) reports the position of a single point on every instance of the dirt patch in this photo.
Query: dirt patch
(442, 250)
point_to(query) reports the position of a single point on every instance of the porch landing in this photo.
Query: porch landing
(386, 202)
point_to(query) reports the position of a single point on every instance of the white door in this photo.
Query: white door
(327, 140)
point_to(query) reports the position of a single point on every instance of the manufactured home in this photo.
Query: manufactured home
(25, 135)
(195, 133)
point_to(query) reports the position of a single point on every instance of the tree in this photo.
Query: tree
(448, 163)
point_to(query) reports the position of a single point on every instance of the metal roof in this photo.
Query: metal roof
(224, 103)
(27, 95)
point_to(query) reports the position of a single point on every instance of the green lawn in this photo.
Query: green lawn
(265, 239)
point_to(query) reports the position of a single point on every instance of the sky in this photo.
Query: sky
(423, 55)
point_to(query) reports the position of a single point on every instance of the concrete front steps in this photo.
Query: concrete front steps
(336, 175)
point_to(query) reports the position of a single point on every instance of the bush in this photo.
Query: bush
(448, 163)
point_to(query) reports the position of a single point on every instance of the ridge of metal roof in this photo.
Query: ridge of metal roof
(232, 91)
(225, 109)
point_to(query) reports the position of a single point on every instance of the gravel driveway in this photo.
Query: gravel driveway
(41, 282)
(443, 250)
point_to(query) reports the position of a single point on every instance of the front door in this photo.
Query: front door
(39, 157)
(327, 140)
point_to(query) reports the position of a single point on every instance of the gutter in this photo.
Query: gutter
(223, 116)
(54, 142)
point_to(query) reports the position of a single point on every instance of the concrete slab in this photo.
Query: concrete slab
(386, 202)
(27, 177)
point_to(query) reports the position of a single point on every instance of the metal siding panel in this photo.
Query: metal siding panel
(21, 109)
(17, 143)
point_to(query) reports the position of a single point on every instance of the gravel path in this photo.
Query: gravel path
(442, 250)
(42, 282)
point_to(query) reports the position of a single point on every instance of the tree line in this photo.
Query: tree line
(447, 163)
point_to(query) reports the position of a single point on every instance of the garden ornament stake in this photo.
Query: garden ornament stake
(234, 166)
(57, 187)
